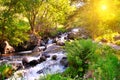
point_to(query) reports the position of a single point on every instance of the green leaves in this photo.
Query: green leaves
(86, 55)
(5, 71)
(40, 15)
(13, 28)
(79, 52)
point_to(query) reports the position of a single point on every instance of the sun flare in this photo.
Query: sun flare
(104, 7)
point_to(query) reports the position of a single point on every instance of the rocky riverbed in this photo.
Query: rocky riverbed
(43, 60)
(31, 66)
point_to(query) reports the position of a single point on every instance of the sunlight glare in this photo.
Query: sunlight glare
(104, 7)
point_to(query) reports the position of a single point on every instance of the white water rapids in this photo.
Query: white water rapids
(47, 67)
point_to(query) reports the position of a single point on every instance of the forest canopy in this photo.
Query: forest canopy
(19, 18)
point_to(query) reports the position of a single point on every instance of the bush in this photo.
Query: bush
(106, 65)
(79, 52)
(85, 55)
(5, 71)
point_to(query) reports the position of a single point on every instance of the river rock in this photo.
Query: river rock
(46, 55)
(5, 47)
(60, 43)
(42, 58)
(54, 57)
(25, 62)
(33, 63)
(53, 48)
(64, 61)
(8, 48)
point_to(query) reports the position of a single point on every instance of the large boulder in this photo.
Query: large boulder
(8, 48)
(28, 64)
(5, 47)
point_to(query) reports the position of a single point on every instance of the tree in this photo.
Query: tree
(12, 25)
(46, 13)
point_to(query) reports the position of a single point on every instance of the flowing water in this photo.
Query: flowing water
(49, 66)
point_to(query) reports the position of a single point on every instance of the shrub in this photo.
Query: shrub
(85, 55)
(79, 52)
(106, 65)
(5, 71)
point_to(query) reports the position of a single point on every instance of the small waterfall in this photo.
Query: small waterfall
(50, 41)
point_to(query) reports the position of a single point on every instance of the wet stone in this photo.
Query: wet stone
(25, 62)
(46, 55)
(33, 63)
(64, 61)
(42, 58)
(54, 57)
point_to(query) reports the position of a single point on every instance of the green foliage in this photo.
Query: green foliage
(19, 16)
(13, 26)
(46, 14)
(109, 36)
(19, 33)
(106, 64)
(55, 77)
(52, 32)
(85, 55)
(5, 71)
(79, 52)
(61, 30)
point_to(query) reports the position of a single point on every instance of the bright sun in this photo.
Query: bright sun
(104, 7)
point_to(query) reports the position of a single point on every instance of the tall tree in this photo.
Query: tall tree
(46, 12)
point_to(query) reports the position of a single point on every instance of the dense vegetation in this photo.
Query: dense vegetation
(88, 61)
